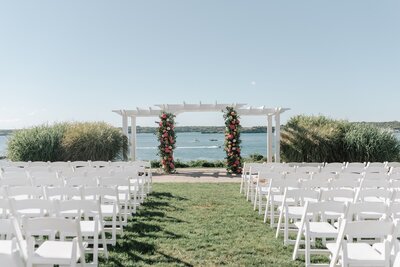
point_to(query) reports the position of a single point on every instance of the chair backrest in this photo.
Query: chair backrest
(354, 169)
(376, 176)
(85, 208)
(368, 183)
(4, 208)
(308, 169)
(324, 176)
(302, 195)
(298, 176)
(77, 164)
(21, 181)
(373, 195)
(376, 164)
(356, 164)
(312, 164)
(62, 193)
(318, 210)
(344, 183)
(24, 192)
(38, 164)
(381, 170)
(105, 194)
(350, 176)
(339, 195)
(99, 163)
(25, 206)
(81, 181)
(315, 184)
(360, 210)
(335, 164)
(284, 169)
(45, 179)
(6, 228)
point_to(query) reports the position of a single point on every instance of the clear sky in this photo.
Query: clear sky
(78, 60)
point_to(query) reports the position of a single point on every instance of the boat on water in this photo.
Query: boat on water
(213, 140)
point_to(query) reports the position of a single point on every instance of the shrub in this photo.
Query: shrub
(67, 141)
(93, 141)
(40, 143)
(321, 139)
(369, 143)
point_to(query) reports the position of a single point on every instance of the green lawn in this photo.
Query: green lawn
(198, 225)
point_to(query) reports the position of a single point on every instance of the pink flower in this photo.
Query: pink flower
(164, 116)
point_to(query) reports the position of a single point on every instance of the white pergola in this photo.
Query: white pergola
(242, 109)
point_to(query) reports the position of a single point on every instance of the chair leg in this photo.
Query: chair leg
(272, 215)
(255, 200)
(307, 250)
(297, 245)
(279, 224)
(286, 231)
(266, 211)
(259, 203)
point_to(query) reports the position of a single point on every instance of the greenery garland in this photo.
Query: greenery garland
(232, 141)
(167, 138)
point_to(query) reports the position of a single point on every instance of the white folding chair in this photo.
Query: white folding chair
(314, 224)
(91, 222)
(290, 213)
(9, 254)
(262, 185)
(349, 253)
(53, 251)
(275, 197)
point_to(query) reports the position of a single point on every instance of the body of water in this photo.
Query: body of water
(192, 146)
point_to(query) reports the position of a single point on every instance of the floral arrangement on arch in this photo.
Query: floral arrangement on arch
(232, 141)
(167, 139)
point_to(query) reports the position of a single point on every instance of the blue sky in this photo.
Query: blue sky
(78, 60)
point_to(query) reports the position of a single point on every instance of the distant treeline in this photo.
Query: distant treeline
(395, 125)
(203, 129)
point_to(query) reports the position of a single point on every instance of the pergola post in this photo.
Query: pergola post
(125, 125)
(133, 138)
(278, 135)
(269, 137)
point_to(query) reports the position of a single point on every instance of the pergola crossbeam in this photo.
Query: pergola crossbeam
(242, 109)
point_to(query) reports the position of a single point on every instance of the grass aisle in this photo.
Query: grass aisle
(198, 225)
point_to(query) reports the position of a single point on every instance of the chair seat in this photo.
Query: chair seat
(280, 198)
(8, 255)
(295, 212)
(6, 247)
(87, 228)
(56, 252)
(360, 252)
(107, 210)
(380, 247)
(320, 229)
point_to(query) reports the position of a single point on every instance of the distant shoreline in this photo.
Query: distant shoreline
(392, 125)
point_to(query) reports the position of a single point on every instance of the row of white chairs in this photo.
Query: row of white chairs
(250, 178)
(89, 163)
(96, 201)
(329, 209)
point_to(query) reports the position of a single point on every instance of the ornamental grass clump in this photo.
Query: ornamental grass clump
(369, 143)
(39, 143)
(93, 141)
(321, 139)
(68, 141)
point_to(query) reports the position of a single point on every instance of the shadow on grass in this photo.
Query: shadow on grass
(138, 244)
